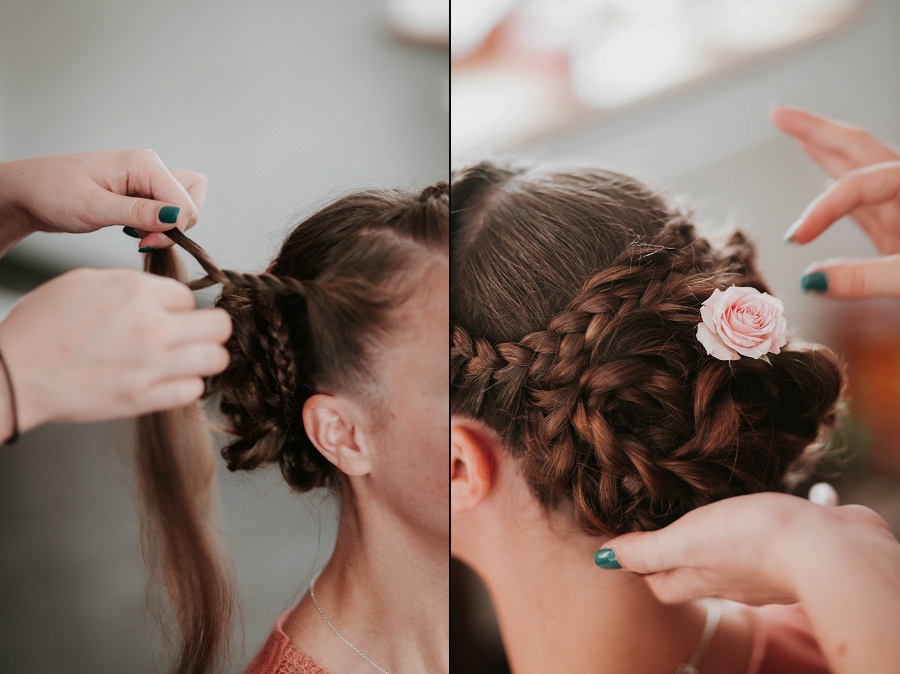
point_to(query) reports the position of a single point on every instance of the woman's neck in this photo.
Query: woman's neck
(559, 612)
(385, 589)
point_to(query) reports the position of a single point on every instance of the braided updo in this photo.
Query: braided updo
(575, 301)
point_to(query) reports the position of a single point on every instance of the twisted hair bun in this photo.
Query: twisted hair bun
(603, 389)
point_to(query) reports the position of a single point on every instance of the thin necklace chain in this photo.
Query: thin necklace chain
(312, 594)
(713, 614)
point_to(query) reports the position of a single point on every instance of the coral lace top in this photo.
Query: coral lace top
(279, 656)
(782, 644)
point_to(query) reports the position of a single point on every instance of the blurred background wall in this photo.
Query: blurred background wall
(284, 105)
(708, 137)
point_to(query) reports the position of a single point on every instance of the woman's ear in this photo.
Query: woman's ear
(472, 465)
(332, 424)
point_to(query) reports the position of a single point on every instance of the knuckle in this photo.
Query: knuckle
(141, 211)
(193, 215)
(130, 388)
(148, 156)
(861, 512)
(855, 281)
(224, 324)
(181, 292)
(661, 586)
(148, 332)
(130, 279)
(220, 359)
(187, 391)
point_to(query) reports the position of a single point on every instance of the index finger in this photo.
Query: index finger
(866, 186)
(837, 139)
(811, 128)
(195, 184)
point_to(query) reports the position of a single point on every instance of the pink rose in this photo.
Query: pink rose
(742, 322)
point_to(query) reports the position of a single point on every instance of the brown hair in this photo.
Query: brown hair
(311, 323)
(575, 299)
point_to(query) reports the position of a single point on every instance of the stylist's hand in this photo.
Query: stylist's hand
(867, 188)
(841, 563)
(756, 549)
(104, 344)
(84, 192)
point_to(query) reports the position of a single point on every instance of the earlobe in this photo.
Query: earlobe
(472, 466)
(329, 424)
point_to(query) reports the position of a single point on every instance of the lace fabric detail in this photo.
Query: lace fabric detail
(278, 655)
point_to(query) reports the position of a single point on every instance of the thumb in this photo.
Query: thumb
(866, 186)
(644, 553)
(854, 279)
(148, 215)
(639, 552)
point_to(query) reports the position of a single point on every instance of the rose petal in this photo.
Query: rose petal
(714, 346)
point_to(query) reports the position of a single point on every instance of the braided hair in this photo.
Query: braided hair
(312, 322)
(575, 300)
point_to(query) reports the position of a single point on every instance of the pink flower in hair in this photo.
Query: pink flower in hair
(742, 321)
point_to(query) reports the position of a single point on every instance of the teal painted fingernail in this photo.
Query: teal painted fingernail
(789, 234)
(131, 231)
(815, 282)
(169, 214)
(606, 559)
(146, 249)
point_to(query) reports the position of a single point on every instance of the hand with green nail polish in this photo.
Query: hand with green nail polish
(774, 548)
(866, 188)
(86, 192)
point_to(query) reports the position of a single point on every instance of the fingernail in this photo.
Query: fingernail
(789, 234)
(606, 559)
(169, 214)
(815, 282)
(131, 231)
(146, 249)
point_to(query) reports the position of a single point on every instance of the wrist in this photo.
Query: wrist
(20, 401)
(811, 551)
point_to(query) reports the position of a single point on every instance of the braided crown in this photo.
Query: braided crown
(616, 407)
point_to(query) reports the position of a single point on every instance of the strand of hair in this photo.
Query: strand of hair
(263, 282)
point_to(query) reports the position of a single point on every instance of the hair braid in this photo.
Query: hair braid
(265, 282)
(608, 398)
(283, 356)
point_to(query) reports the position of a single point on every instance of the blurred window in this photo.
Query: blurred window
(523, 68)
